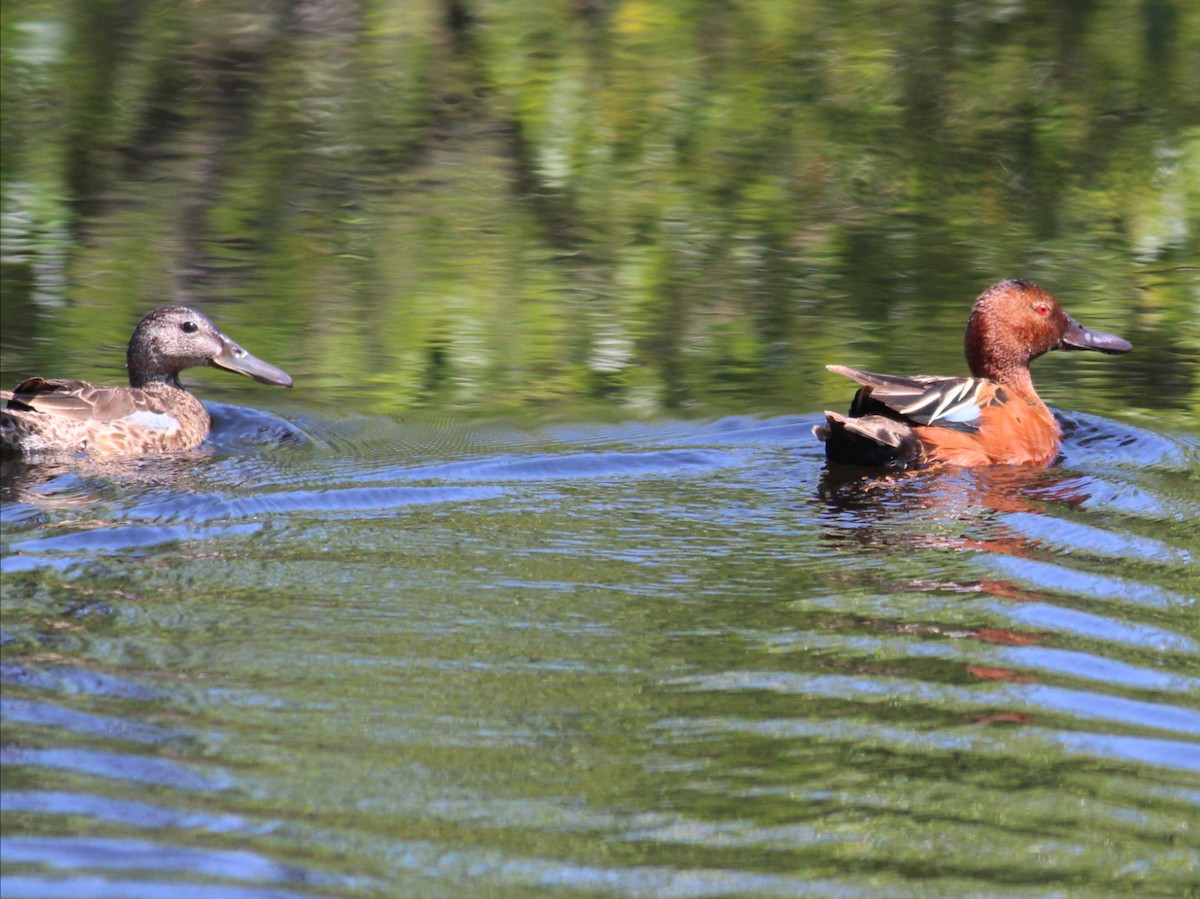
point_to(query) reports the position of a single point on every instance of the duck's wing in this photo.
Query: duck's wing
(79, 400)
(924, 399)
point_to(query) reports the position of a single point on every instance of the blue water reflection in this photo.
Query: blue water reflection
(480, 661)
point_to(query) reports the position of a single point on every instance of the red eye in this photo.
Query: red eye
(1042, 308)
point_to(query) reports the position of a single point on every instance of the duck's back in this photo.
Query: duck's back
(68, 416)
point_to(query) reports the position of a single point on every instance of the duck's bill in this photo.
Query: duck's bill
(1080, 338)
(233, 358)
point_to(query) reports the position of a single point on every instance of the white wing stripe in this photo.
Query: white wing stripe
(929, 396)
(966, 411)
(957, 401)
(953, 395)
(158, 420)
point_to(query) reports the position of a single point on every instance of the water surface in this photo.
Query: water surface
(658, 658)
(536, 584)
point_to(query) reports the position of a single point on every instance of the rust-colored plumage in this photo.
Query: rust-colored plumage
(152, 415)
(993, 418)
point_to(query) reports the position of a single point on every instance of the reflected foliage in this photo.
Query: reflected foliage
(686, 204)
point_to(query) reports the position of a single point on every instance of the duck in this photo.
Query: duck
(994, 417)
(154, 414)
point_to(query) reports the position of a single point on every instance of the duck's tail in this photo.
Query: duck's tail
(875, 441)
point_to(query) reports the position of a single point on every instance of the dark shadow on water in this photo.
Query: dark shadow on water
(242, 425)
(946, 492)
(943, 510)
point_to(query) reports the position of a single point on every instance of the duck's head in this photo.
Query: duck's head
(1015, 321)
(172, 338)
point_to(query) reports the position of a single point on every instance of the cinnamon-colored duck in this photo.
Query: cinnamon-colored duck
(994, 417)
(154, 414)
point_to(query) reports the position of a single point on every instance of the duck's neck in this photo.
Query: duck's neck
(1020, 382)
(157, 381)
(146, 372)
(991, 357)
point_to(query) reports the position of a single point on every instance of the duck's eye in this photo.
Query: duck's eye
(189, 327)
(1042, 308)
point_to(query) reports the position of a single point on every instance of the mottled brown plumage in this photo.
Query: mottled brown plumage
(152, 415)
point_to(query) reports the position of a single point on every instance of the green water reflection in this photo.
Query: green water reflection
(500, 206)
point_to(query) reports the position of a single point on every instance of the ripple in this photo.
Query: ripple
(1078, 703)
(1098, 627)
(978, 741)
(1050, 577)
(116, 766)
(27, 887)
(46, 714)
(572, 466)
(123, 811)
(1091, 440)
(68, 551)
(1112, 495)
(209, 507)
(1074, 537)
(1068, 663)
(1144, 750)
(126, 854)
(1101, 707)
(116, 539)
(69, 679)
(636, 881)
(1090, 666)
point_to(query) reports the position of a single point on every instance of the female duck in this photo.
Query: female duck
(992, 418)
(154, 414)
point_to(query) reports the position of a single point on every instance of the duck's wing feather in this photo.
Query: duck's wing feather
(79, 400)
(924, 399)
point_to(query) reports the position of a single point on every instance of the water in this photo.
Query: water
(536, 584)
(667, 658)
